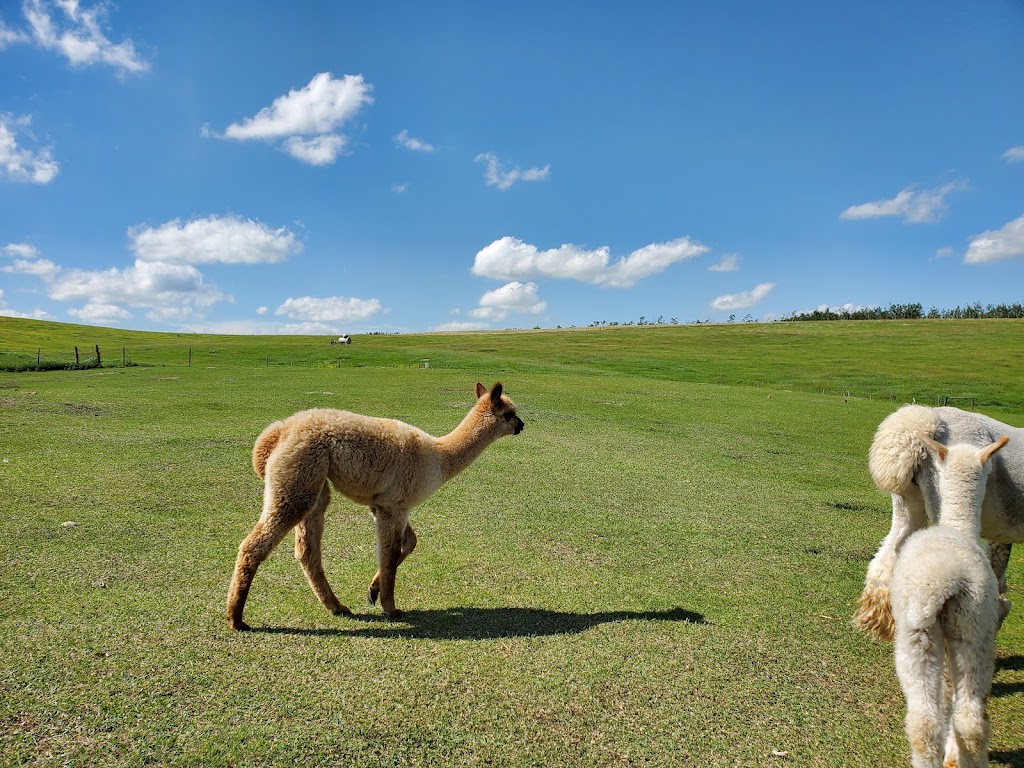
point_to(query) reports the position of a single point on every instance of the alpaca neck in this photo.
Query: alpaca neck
(965, 520)
(961, 504)
(460, 447)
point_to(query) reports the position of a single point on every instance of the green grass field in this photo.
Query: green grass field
(659, 571)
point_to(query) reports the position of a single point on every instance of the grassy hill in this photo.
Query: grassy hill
(660, 570)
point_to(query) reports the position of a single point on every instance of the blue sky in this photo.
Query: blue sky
(330, 167)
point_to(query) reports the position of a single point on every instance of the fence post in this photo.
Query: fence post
(98, 363)
(190, 357)
(76, 356)
(124, 363)
(39, 357)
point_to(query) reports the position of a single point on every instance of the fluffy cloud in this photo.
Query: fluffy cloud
(1014, 154)
(743, 299)
(995, 245)
(307, 120)
(330, 309)
(21, 250)
(518, 297)
(729, 263)
(913, 206)
(100, 313)
(214, 239)
(44, 269)
(502, 179)
(75, 31)
(409, 142)
(6, 311)
(168, 291)
(511, 259)
(19, 163)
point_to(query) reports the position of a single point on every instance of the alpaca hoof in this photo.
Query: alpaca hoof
(395, 614)
(240, 626)
(371, 595)
(342, 611)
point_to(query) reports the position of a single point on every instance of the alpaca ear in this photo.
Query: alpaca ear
(496, 393)
(993, 449)
(480, 389)
(938, 449)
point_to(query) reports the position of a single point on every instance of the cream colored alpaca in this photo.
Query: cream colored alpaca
(900, 465)
(386, 464)
(945, 605)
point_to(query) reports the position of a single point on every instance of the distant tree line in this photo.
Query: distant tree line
(914, 312)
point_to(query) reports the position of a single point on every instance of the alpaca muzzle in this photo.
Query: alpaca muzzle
(519, 426)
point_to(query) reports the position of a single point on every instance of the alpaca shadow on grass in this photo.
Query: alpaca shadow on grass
(486, 623)
(1013, 758)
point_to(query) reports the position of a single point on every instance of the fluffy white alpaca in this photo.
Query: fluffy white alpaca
(900, 466)
(944, 599)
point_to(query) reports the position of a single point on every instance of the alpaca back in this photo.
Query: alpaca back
(942, 578)
(264, 446)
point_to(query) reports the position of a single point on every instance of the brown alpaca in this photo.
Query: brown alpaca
(386, 464)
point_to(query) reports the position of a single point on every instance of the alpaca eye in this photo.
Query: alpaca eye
(508, 416)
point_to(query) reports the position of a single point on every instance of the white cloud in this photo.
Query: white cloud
(100, 313)
(6, 311)
(214, 239)
(944, 252)
(460, 326)
(318, 150)
(496, 177)
(22, 250)
(76, 32)
(995, 245)
(729, 263)
(10, 36)
(18, 163)
(1014, 154)
(518, 297)
(307, 120)
(261, 310)
(511, 259)
(169, 291)
(44, 269)
(400, 189)
(409, 142)
(330, 309)
(743, 299)
(917, 207)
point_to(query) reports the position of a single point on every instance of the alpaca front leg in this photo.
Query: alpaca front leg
(408, 545)
(390, 537)
(874, 615)
(308, 536)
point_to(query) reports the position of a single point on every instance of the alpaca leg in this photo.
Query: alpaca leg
(999, 557)
(973, 666)
(408, 545)
(391, 529)
(253, 550)
(282, 511)
(308, 535)
(919, 666)
(874, 615)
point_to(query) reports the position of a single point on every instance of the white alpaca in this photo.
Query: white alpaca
(944, 600)
(899, 466)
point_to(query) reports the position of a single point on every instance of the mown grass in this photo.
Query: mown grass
(659, 571)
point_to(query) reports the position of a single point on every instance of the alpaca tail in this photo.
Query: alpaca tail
(897, 449)
(264, 446)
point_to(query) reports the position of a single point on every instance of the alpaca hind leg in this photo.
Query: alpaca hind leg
(919, 667)
(874, 615)
(973, 666)
(999, 558)
(253, 550)
(283, 509)
(308, 537)
(390, 535)
(408, 545)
